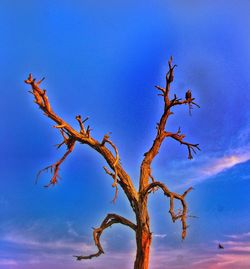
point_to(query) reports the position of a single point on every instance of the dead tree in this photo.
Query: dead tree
(138, 199)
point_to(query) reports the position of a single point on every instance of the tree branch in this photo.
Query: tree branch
(189, 100)
(107, 140)
(182, 215)
(115, 186)
(161, 133)
(84, 137)
(107, 222)
(179, 137)
(54, 168)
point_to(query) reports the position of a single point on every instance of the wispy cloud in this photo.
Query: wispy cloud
(224, 163)
(235, 255)
(33, 253)
(7, 262)
(239, 236)
(210, 166)
(216, 162)
(71, 230)
(35, 243)
(159, 235)
(214, 166)
(206, 256)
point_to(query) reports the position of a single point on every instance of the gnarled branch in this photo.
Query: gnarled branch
(54, 168)
(172, 195)
(116, 186)
(179, 137)
(107, 140)
(107, 222)
(161, 132)
(84, 137)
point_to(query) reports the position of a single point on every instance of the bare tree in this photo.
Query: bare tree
(147, 184)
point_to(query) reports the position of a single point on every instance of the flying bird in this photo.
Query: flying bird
(220, 246)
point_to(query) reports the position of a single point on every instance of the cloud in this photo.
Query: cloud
(234, 260)
(207, 165)
(71, 230)
(35, 243)
(7, 262)
(159, 235)
(206, 256)
(30, 253)
(236, 253)
(224, 163)
(239, 236)
(210, 166)
(218, 165)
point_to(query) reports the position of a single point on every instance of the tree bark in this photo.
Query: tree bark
(143, 242)
(138, 199)
(143, 233)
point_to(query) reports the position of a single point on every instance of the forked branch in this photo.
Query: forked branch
(179, 137)
(107, 222)
(115, 180)
(71, 136)
(182, 214)
(161, 126)
(189, 100)
(107, 140)
(54, 168)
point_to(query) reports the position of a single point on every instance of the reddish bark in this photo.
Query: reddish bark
(143, 243)
(138, 199)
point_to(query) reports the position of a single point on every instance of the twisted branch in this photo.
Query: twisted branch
(107, 140)
(81, 123)
(54, 168)
(179, 137)
(70, 136)
(161, 132)
(172, 195)
(116, 186)
(107, 222)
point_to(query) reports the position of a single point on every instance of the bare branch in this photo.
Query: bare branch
(153, 151)
(161, 133)
(107, 222)
(161, 89)
(179, 137)
(83, 137)
(182, 215)
(116, 186)
(138, 200)
(170, 74)
(107, 140)
(54, 168)
(79, 119)
(189, 100)
(153, 180)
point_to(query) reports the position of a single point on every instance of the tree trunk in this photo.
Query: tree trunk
(143, 237)
(143, 242)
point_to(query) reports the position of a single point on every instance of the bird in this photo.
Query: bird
(220, 246)
(188, 95)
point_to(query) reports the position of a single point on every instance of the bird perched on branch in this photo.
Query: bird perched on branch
(189, 100)
(188, 95)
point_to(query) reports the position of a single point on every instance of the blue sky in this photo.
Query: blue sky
(102, 60)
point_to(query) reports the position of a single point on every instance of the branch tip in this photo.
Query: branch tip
(107, 222)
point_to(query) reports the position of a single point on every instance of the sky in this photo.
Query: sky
(102, 59)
